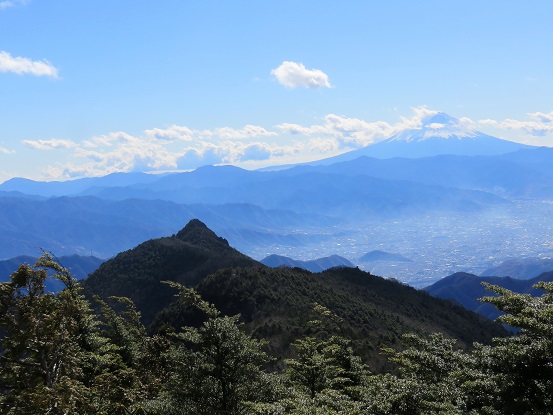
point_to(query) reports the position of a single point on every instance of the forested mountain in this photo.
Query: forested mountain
(276, 303)
(186, 257)
(303, 345)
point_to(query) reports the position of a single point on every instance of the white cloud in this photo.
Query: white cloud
(12, 3)
(252, 146)
(541, 117)
(538, 125)
(48, 144)
(295, 75)
(24, 66)
(181, 133)
(354, 132)
(6, 151)
(435, 126)
(182, 148)
(416, 121)
(248, 132)
(176, 132)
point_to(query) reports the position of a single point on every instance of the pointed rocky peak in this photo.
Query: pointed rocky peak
(192, 225)
(197, 233)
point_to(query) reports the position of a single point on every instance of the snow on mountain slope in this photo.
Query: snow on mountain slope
(438, 134)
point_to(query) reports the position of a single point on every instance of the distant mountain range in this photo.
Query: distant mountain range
(314, 265)
(467, 173)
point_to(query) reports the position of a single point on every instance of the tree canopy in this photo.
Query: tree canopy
(63, 354)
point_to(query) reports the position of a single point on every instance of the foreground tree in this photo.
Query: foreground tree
(57, 357)
(217, 367)
(520, 367)
(49, 343)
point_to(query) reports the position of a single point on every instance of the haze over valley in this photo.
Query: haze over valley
(449, 211)
(276, 207)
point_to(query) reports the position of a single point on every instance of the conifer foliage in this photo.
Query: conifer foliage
(58, 355)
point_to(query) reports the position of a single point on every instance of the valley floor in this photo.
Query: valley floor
(438, 244)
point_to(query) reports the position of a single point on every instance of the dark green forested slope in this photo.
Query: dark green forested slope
(277, 305)
(187, 257)
(58, 355)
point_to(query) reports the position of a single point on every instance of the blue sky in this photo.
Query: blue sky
(93, 87)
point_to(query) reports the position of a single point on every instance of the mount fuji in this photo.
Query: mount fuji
(438, 134)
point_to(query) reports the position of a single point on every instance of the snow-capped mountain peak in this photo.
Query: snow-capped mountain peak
(439, 125)
(436, 134)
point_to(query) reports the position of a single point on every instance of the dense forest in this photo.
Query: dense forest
(66, 353)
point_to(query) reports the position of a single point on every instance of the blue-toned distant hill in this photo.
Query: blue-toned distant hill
(521, 268)
(524, 173)
(381, 256)
(255, 209)
(89, 225)
(74, 187)
(248, 207)
(465, 289)
(314, 265)
(79, 266)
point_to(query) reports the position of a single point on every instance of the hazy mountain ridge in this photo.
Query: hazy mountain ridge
(376, 256)
(465, 289)
(313, 265)
(524, 173)
(79, 266)
(319, 208)
(91, 225)
(520, 268)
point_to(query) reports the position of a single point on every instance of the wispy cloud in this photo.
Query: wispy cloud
(25, 66)
(177, 147)
(48, 144)
(6, 151)
(12, 3)
(538, 124)
(351, 133)
(183, 148)
(296, 75)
